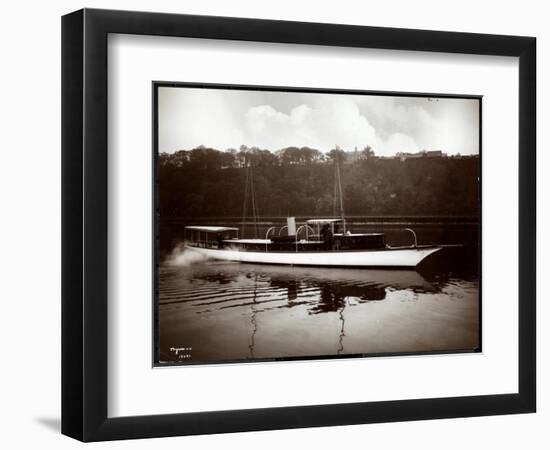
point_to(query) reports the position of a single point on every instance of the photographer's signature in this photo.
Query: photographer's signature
(182, 352)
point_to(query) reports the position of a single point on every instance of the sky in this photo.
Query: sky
(223, 119)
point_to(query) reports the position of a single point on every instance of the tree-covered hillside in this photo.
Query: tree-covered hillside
(300, 181)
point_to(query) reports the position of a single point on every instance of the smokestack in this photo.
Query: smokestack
(291, 225)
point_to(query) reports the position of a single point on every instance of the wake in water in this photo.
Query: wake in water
(184, 258)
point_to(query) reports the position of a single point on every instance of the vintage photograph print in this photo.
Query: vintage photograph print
(295, 224)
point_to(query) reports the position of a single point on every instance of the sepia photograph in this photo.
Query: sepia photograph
(298, 224)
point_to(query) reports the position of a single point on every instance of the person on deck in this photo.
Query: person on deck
(323, 233)
(337, 241)
(327, 236)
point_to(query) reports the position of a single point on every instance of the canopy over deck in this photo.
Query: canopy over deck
(315, 221)
(211, 229)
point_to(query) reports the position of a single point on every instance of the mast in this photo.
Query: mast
(249, 191)
(245, 198)
(338, 195)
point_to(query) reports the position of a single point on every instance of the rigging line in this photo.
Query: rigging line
(245, 200)
(335, 194)
(254, 207)
(340, 194)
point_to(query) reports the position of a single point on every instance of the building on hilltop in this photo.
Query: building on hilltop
(421, 154)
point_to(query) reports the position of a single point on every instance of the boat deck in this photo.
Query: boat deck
(339, 242)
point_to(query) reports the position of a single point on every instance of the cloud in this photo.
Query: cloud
(273, 120)
(398, 142)
(324, 126)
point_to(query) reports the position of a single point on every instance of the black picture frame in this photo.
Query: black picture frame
(84, 224)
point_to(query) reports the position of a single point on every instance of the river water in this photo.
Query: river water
(213, 312)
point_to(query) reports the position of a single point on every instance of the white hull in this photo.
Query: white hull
(399, 257)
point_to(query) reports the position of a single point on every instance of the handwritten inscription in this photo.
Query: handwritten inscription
(182, 352)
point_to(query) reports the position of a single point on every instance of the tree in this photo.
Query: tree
(368, 152)
(205, 182)
(337, 155)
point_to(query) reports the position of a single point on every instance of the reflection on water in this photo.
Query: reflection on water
(220, 311)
